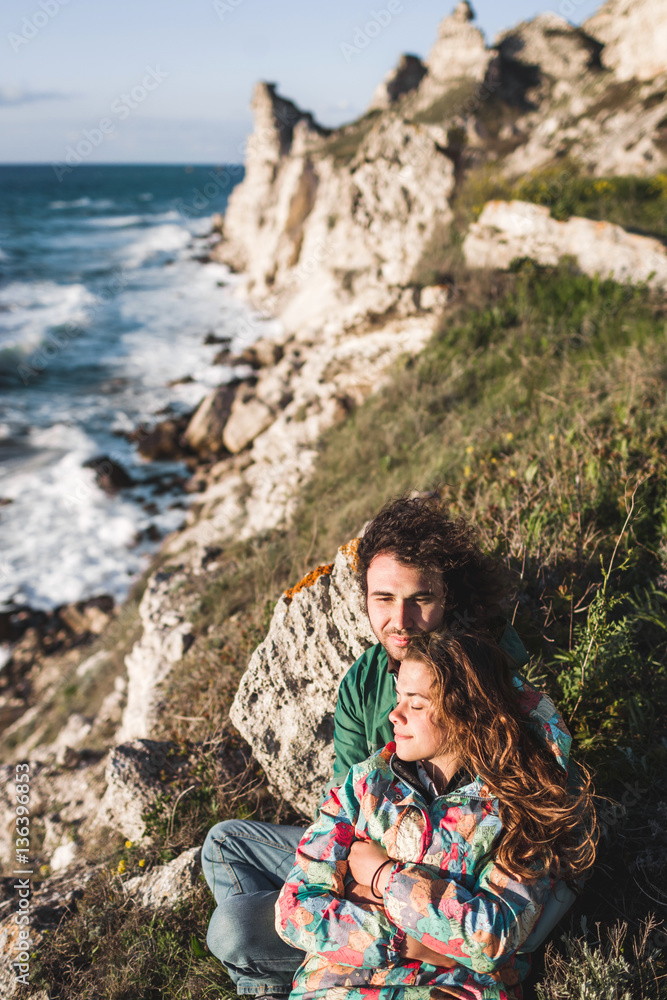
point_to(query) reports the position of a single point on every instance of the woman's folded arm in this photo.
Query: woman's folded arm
(312, 912)
(480, 927)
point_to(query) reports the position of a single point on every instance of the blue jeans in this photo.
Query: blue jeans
(245, 865)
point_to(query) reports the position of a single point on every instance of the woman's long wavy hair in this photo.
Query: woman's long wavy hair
(548, 822)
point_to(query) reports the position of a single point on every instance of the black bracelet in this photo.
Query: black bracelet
(377, 872)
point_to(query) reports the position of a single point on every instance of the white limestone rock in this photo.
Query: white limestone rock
(205, 430)
(558, 49)
(167, 885)
(167, 634)
(402, 80)
(634, 33)
(285, 702)
(460, 49)
(134, 782)
(321, 239)
(248, 418)
(508, 230)
(62, 801)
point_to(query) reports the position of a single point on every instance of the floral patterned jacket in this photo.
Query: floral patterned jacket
(477, 918)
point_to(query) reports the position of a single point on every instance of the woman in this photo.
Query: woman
(426, 872)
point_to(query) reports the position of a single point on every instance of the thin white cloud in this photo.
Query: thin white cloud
(12, 97)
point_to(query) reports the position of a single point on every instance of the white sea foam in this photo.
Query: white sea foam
(34, 308)
(116, 221)
(63, 538)
(97, 203)
(158, 242)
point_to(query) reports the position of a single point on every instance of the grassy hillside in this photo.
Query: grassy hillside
(539, 410)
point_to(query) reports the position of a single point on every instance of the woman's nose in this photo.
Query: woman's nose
(396, 716)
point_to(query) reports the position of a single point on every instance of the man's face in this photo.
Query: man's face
(402, 601)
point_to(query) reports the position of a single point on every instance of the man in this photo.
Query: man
(418, 570)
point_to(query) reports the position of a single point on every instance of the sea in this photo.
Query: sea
(105, 305)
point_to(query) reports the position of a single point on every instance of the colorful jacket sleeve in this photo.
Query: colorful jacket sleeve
(312, 913)
(480, 926)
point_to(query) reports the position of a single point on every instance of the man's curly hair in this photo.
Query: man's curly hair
(418, 531)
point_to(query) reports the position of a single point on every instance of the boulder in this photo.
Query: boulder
(166, 636)
(634, 33)
(263, 353)
(248, 418)
(434, 297)
(167, 885)
(286, 699)
(87, 617)
(136, 774)
(163, 441)
(110, 476)
(506, 231)
(204, 432)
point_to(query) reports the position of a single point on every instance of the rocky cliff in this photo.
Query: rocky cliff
(348, 238)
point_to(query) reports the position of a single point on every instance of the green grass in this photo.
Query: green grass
(539, 410)
(110, 947)
(343, 144)
(637, 203)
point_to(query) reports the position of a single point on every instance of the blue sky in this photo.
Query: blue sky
(173, 78)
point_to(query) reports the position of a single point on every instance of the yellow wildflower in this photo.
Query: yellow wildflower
(128, 845)
(469, 450)
(467, 472)
(121, 866)
(509, 436)
(142, 862)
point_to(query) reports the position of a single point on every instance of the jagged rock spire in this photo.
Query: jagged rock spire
(399, 81)
(275, 121)
(463, 13)
(634, 33)
(460, 50)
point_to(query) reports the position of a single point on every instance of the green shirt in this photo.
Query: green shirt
(366, 696)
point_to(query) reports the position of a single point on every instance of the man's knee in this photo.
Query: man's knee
(220, 840)
(237, 932)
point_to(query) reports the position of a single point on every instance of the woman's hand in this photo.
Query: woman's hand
(364, 860)
(415, 951)
(361, 894)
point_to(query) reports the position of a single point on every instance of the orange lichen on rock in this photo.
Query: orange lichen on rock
(349, 550)
(308, 580)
